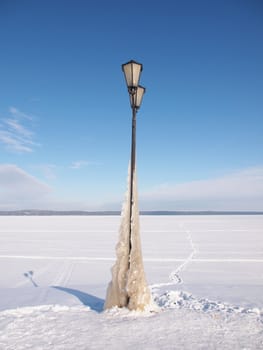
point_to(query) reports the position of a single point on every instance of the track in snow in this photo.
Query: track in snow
(175, 277)
(64, 275)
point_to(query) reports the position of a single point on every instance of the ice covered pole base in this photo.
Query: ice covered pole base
(128, 287)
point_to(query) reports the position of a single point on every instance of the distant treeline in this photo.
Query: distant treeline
(117, 213)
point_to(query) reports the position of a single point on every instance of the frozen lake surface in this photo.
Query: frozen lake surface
(205, 272)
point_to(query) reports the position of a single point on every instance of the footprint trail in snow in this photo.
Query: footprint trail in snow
(175, 277)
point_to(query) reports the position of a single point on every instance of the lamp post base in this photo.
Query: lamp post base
(128, 287)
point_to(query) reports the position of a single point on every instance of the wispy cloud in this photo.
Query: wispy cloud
(16, 132)
(18, 114)
(79, 164)
(241, 190)
(15, 125)
(21, 190)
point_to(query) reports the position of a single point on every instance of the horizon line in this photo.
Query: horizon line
(47, 212)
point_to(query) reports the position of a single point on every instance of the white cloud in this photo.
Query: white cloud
(18, 128)
(18, 114)
(19, 189)
(79, 164)
(15, 132)
(242, 190)
(13, 143)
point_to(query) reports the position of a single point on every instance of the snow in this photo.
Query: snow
(205, 274)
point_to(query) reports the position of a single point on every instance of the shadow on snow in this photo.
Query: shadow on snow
(92, 301)
(29, 275)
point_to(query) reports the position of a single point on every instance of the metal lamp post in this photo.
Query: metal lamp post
(132, 71)
(128, 287)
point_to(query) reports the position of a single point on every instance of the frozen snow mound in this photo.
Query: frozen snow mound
(60, 327)
(183, 300)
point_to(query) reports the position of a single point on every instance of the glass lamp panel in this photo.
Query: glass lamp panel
(127, 69)
(132, 72)
(139, 95)
(136, 72)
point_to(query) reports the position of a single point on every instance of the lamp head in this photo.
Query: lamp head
(132, 71)
(136, 98)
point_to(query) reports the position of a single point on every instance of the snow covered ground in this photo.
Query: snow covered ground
(205, 273)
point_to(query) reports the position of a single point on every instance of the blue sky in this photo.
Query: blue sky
(65, 119)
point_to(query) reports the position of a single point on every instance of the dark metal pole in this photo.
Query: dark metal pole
(133, 165)
(132, 170)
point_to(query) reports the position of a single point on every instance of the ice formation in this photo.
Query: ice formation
(128, 287)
